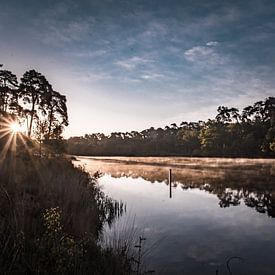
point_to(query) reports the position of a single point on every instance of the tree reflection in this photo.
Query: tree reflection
(232, 183)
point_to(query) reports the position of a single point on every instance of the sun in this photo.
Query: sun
(16, 127)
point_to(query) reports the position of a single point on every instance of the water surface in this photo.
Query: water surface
(220, 208)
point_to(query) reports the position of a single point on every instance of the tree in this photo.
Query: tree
(8, 91)
(33, 89)
(213, 138)
(174, 126)
(226, 114)
(247, 113)
(269, 142)
(270, 108)
(256, 113)
(54, 105)
(43, 102)
(189, 141)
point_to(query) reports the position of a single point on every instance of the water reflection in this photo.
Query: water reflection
(197, 230)
(232, 181)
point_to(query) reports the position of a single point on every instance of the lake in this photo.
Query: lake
(220, 216)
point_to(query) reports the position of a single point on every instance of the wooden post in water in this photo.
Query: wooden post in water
(170, 182)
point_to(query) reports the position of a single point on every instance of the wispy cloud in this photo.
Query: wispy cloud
(212, 43)
(152, 76)
(205, 53)
(133, 62)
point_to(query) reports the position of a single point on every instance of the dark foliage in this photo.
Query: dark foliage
(33, 102)
(51, 217)
(232, 133)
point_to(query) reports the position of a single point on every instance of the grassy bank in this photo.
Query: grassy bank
(52, 215)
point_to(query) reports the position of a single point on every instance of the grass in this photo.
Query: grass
(51, 218)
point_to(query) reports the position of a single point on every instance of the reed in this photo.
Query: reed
(52, 216)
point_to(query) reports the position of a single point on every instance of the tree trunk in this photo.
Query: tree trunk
(50, 123)
(32, 113)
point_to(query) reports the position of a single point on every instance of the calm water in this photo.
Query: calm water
(220, 208)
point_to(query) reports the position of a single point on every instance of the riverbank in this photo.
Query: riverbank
(52, 216)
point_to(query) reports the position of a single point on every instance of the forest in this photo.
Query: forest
(248, 133)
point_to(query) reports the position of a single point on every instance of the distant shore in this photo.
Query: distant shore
(182, 162)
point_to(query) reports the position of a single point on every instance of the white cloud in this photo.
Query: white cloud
(212, 43)
(133, 62)
(152, 76)
(205, 54)
(197, 52)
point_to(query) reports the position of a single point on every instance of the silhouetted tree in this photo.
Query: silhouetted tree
(41, 102)
(270, 107)
(33, 100)
(33, 89)
(54, 105)
(226, 114)
(8, 91)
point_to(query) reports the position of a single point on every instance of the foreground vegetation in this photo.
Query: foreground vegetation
(232, 133)
(52, 215)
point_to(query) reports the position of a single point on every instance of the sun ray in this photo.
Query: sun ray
(5, 148)
(11, 136)
(10, 128)
(4, 134)
(4, 130)
(28, 150)
(14, 150)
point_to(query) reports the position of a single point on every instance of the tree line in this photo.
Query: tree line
(250, 132)
(32, 101)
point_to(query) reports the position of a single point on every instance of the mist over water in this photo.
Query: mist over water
(220, 208)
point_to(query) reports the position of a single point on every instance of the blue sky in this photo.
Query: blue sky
(128, 65)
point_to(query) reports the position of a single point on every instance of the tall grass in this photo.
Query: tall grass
(51, 217)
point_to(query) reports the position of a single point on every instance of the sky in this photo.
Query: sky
(129, 65)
